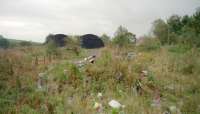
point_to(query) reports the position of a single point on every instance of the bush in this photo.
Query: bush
(179, 48)
(25, 43)
(150, 44)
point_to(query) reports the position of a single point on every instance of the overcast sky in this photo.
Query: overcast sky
(33, 20)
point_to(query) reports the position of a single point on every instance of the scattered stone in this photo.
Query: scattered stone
(115, 104)
(91, 61)
(145, 72)
(99, 95)
(156, 103)
(170, 87)
(119, 76)
(65, 71)
(174, 109)
(70, 100)
(166, 112)
(131, 55)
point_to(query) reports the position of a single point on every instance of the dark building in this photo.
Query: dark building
(91, 41)
(59, 39)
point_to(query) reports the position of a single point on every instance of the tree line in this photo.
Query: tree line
(178, 30)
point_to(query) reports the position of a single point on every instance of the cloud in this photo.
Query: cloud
(34, 19)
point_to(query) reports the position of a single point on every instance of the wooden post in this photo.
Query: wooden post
(36, 60)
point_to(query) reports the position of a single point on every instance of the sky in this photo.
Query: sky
(33, 20)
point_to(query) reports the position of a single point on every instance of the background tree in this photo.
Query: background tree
(174, 24)
(105, 38)
(160, 30)
(25, 43)
(196, 21)
(179, 30)
(123, 37)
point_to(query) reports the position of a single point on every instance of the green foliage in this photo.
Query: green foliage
(25, 43)
(28, 110)
(160, 30)
(51, 48)
(174, 24)
(185, 30)
(106, 39)
(150, 44)
(123, 37)
(179, 48)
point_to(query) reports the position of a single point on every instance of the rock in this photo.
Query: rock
(91, 61)
(115, 104)
(145, 72)
(65, 71)
(70, 100)
(131, 55)
(99, 95)
(166, 112)
(174, 109)
(170, 87)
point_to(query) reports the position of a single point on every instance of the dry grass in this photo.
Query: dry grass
(175, 75)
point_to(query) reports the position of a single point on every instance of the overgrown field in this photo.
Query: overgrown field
(172, 80)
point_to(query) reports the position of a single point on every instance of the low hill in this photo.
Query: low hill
(16, 43)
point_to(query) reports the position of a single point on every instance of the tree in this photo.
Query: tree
(121, 31)
(174, 24)
(105, 38)
(160, 30)
(4, 43)
(196, 21)
(123, 37)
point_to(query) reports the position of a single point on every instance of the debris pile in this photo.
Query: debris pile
(90, 59)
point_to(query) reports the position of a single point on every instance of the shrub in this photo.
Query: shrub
(150, 44)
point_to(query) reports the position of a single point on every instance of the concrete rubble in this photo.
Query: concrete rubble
(115, 104)
(90, 59)
(131, 55)
(41, 83)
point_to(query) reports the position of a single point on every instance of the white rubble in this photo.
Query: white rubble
(131, 55)
(99, 95)
(174, 109)
(40, 82)
(145, 72)
(115, 104)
